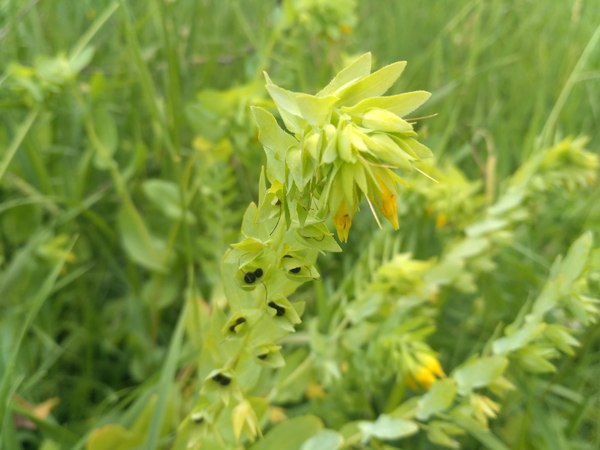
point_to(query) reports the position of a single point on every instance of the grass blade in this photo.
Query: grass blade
(36, 303)
(18, 139)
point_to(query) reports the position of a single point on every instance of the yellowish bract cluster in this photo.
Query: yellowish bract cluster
(344, 143)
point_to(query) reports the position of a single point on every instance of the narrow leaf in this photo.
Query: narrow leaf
(358, 69)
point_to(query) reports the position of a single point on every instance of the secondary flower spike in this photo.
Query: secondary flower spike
(343, 143)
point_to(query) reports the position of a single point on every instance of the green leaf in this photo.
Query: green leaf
(316, 110)
(400, 104)
(293, 432)
(143, 248)
(486, 226)
(287, 105)
(374, 85)
(517, 339)
(439, 397)
(387, 428)
(112, 437)
(11, 149)
(106, 132)
(479, 373)
(324, 440)
(275, 141)
(360, 68)
(468, 248)
(81, 59)
(573, 265)
(511, 200)
(165, 195)
(536, 357)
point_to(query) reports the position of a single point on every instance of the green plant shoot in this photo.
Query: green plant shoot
(338, 146)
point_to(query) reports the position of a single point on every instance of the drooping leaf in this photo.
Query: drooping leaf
(439, 397)
(479, 373)
(517, 339)
(576, 259)
(143, 248)
(387, 428)
(324, 440)
(166, 197)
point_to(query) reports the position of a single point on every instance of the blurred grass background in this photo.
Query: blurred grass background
(97, 147)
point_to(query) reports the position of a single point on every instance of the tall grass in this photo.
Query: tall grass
(85, 236)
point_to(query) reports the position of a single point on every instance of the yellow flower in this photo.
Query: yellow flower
(441, 220)
(389, 207)
(342, 221)
(431, 363)
(428, 369)
(424, 377)
(386, 182)
(315, 391)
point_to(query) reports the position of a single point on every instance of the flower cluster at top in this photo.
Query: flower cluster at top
(343, 143)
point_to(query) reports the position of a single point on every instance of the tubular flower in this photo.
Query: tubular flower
(424, 377)
(383, 193)
(428, 369)
(342, 221)
(389, 207)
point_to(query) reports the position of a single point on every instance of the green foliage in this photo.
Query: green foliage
(133, 137)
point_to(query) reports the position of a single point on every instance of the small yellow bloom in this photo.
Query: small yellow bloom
(424, 377)
(428, 369)
(389, 207)
(431, 363)
(386, 183)
(276, 415)
(342, 221)
(315, 391)
(345, 29)
(441, 221)
(344, 367)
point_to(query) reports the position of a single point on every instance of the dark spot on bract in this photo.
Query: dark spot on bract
(279, 310)
(295, 270)
(263, 356)
(223, 380)
(249, 278)
(197, 418)
(258, 273)
(238, 321)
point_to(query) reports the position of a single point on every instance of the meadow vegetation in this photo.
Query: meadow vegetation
(135, 135)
